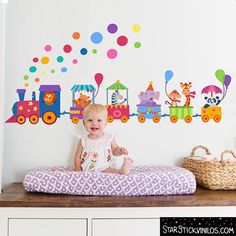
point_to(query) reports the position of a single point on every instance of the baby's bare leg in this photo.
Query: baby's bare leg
(126, 166)
(112, 170)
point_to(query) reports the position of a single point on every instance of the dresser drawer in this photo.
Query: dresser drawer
(47, 227)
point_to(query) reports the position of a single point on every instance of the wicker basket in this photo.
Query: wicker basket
(210, 173)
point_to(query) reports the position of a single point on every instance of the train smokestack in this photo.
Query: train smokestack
(33, 96)
(21, 94)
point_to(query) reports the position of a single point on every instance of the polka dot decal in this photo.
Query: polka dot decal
(96, 37)
(67, 48)
(122, 40)
(112, 28)
(112, 53)
(76, 35)
(53, 61)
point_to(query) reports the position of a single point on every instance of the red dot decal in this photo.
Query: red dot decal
(67, 48)
(122, 40)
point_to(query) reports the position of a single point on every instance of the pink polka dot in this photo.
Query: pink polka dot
(111, 53)
(74, 61)
(67, 48)
(48, 48)
(122, 40)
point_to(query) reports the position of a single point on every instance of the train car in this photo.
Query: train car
(50, 103)
(211, 112)
(47, 107)
(118, 108)
(181, 113)
(149, 112)
(148, 108)
(82, 100)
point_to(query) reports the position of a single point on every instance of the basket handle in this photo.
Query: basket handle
(224, 152)
(200, 147)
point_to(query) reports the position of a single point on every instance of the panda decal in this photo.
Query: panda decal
(212, 95)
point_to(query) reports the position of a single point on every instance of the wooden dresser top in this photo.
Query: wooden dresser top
(16, 196)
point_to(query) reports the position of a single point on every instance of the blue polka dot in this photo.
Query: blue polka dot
(63, 69)
(83, 51)
(96, 37)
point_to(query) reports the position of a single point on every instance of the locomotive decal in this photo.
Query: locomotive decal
(47, 107)
(117, 102)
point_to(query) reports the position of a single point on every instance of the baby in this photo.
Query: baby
(96, 150)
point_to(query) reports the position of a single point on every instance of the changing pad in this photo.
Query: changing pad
(142, 180)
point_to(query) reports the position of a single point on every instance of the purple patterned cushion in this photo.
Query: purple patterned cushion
(143, 180)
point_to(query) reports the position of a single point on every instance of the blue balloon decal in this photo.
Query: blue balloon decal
(168, 75)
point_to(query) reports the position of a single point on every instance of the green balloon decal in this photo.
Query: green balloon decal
(220, 75)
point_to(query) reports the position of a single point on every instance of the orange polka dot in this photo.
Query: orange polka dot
(76, 35)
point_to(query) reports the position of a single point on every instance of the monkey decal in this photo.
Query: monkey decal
(173, 96)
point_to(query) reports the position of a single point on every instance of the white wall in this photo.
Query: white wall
(2, 64)
(191, 37)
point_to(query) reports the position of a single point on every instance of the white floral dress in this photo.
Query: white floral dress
(97, 153)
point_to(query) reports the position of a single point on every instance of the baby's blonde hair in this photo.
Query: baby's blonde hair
(99, 108)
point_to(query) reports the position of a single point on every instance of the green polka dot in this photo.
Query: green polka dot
(137, 45)
(60, 59)
(94, 51)
(32, 69)
(26, 77)
(53, 71)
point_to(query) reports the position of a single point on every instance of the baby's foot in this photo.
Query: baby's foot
(126, 166)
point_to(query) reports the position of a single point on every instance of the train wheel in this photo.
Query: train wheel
(124, 119)
(21, 119)
(49, 117)
(217, 118)
(141, 119)
(188, 119)
(173, 119)
(156, 119)
(75, 119)
(34, 119)
(205, 118)
(110, 119)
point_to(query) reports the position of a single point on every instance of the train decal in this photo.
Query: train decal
(48, 105)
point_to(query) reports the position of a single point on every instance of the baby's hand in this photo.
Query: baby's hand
(120, 150)
(124, 151)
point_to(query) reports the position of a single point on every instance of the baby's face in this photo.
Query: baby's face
(95, 123)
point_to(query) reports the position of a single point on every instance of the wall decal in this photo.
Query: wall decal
(117, 102)
(213, 96)
(71, 54)
(148, 108)
(47, 107)
(177, 112)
